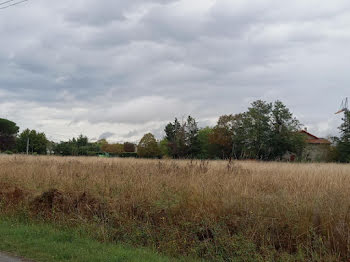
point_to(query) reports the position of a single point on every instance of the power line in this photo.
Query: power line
(6, 2)
(17, 3)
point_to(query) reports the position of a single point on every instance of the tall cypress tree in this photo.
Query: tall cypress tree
(191, 137)
(343, 145)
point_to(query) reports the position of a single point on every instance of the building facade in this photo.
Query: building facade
(316, 149)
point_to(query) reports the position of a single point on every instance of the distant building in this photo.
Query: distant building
(317, 149)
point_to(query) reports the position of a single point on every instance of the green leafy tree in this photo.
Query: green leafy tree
(257, 125)
(174, 134)
(221, 136)
(343, 143)
(271, 131)
(164, 147)
(77, 147)
(129, 147)
(285, 135)
(37, 142)
(266, 131)
(192, 144)
(8, 132)
(64, 149)
(113, 149)
(239, 135)
(148, 147)
(207, 150)
(82, 141)
(183, 138)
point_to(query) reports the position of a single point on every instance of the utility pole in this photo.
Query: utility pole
(27, 145)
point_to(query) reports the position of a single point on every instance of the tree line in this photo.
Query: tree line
(265, 131)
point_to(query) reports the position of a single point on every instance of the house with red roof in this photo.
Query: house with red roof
(316, 150)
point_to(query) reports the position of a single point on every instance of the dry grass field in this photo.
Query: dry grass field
(216, 210)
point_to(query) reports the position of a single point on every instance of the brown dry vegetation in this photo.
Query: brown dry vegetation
(240, 211)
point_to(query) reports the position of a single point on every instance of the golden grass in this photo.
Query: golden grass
(211, 209)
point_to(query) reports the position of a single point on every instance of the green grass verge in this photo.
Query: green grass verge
(42, 242)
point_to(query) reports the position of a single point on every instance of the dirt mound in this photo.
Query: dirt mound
(52, 199)
(57, 203)
(11, 194)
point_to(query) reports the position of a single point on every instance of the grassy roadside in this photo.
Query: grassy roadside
(47, 243)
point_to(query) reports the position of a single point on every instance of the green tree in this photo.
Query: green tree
(164, 147)
(113, 149)
(102, 142)
(8, 132)
(37, 142)
(192, 145)
(129, 147)
(266, 131)
(285, 135)
(206, 148)
(183, 138)
(77, 147)
(239, 135)
(82, 141)
(221, 136)
(174, 134)
(258, 130)
(271, 131)
(64, 149)
(148, 147)
(343, 143)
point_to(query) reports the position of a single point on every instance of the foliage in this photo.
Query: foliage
(285, 135)
(148, 147)
(223, 135)
(258, 132)
(8, 152)
(129, 147)
(192, 142)
(113, 149)
(183, 138)
(37, 142)
(207, 150)
(128, 155)
(8, 132)
(343, 143)
(77, 147)
(164, 148)
(266, 131)
(8, 127)
(174, 134)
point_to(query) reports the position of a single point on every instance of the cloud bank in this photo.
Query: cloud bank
(123, 68)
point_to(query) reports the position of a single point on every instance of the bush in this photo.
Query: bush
(128, 155)
(8, 152)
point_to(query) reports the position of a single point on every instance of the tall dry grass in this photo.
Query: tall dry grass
(218, 210)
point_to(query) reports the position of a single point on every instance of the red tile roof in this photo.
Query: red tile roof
(314, 139)
(318, 141)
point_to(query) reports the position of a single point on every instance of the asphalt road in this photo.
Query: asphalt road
(6, 258)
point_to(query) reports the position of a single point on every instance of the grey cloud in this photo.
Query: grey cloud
(101, 13)
(132, 133)
(135, 111)
(106, 135)
(134, 65)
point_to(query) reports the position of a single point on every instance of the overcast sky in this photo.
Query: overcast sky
(120, 68)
